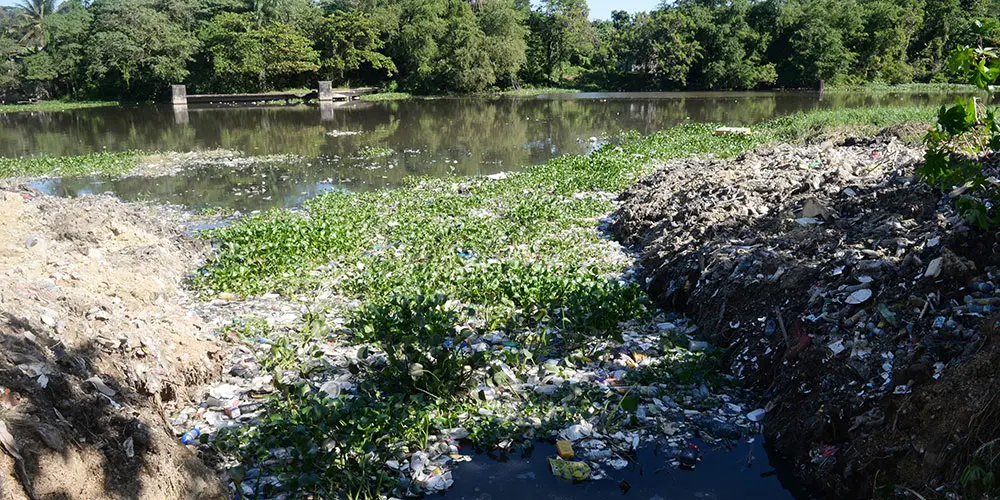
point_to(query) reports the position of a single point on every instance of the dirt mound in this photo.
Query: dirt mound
(841, 287)
(92, 340)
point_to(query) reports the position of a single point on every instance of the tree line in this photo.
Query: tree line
(132, 49)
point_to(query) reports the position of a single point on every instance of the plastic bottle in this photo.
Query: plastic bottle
(191, 436)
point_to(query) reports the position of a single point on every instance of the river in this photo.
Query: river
(368, 145)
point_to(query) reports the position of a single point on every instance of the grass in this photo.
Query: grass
(107, 163)
(530, 92)
(386, 96)
(858, 121)
(908, 88)
(54, 106)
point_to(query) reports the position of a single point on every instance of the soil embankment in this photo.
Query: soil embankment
(848, 293)
(94, 338)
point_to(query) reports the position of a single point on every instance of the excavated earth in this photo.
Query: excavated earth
(847, 293)
(94, 339)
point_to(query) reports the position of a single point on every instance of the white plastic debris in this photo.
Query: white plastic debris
(934, 268)
(836, 347)
(859, 296)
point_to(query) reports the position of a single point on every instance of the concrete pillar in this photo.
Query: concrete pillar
(325, 91)
(181, 116)
(178, 94)
(822, 88)
(326, 111)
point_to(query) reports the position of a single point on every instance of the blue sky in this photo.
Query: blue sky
(599, 9)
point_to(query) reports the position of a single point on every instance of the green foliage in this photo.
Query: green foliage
(351, 41)
(246, 56)
(536, 91)
(131, 49)
(95, 163)
(966, 138)
(560, 36)
(135, 49)
(978, 479)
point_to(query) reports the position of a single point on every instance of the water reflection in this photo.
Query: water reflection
(446, 136)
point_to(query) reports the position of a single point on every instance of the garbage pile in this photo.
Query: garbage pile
(834, 277)
(622, 392)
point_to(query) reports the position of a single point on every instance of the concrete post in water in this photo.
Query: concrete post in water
(822, 89)
(326, 111)
(181, 114)
(178, 94)
(325, 91)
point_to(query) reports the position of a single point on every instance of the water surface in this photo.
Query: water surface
(744, 472)
(367, 145)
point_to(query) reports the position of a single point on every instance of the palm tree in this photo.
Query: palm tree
(34, 13)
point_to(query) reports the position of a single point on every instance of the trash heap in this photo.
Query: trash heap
(833, 276)
(600, 402)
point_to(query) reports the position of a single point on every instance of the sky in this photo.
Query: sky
(599, 9)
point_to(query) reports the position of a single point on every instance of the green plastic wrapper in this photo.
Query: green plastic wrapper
(574, 471)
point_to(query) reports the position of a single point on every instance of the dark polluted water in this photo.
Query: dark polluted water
(359, 146)
(743, 472)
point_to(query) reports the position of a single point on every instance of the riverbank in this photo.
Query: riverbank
(869, 346)
(95, 339)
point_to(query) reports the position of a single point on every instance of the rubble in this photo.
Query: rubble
(882, 287)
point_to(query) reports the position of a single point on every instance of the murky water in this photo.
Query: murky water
(743, 472)
(385, 142)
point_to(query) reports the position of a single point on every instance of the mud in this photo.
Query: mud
(94, 339)
(847, 293)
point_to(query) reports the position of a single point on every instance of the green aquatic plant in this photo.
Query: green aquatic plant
(104, 162)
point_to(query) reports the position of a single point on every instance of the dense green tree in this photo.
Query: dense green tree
(673, 49)
(814, 41)
(351, 41)
(134, 50)
(10, 69)
(34, 13)
(560, 35)
(734, 50)
(250, 57)
(464, 63)
(69, 29)
(888, 28)
(503, 25)
(414, 44)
